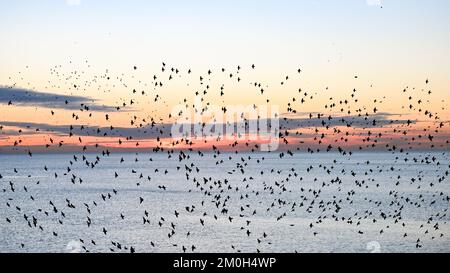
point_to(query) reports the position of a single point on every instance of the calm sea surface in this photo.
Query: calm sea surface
(306, 203)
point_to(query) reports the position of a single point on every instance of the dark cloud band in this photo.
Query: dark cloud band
(25, 97)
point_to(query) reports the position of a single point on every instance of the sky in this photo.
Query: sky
(377, 47)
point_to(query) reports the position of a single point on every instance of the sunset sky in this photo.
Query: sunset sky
(85, 51)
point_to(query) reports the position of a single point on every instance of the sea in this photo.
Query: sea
(321, 202)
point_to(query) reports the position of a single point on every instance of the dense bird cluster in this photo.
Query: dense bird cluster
(248, 186)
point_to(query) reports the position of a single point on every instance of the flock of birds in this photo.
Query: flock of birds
(343, 129)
